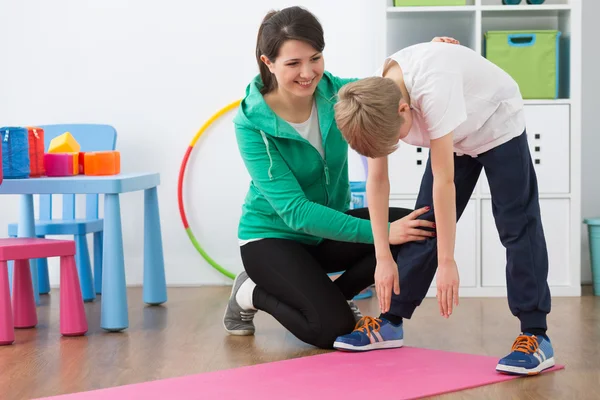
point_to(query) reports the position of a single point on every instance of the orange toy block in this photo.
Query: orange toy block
(102, 163)
(64, 143)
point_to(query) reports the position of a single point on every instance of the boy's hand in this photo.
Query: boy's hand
(445, 39)
(447, 283)
(407, 229)
(386, 280)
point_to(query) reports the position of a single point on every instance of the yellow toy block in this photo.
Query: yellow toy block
(64, 143)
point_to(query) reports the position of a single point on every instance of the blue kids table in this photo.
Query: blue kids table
(114, 316)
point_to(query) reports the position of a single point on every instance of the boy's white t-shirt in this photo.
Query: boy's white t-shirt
(454, 89)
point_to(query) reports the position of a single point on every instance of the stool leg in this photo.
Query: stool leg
(84, 268)
(27, 229)
(155, 285)
(43, 276)
(114, 313)
(11, 268)
(23, 296)
(73, 321)
(10, 271)
(98, 243)
(7, 330)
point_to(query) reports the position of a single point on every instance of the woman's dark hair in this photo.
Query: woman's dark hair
(292, 23)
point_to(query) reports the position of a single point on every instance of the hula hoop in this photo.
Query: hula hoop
(182, 169)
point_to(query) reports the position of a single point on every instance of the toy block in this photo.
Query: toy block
(62, 164)
(102, 163)
(82, 163)
(64, 143)
(15, 149)
(36, 151)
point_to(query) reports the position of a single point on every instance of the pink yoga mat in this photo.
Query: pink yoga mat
(405, 373)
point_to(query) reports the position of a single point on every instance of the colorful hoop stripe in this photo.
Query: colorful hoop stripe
(182, 169)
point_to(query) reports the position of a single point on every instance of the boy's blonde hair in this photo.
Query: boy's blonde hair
(367, 115)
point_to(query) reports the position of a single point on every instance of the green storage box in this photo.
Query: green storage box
(530, 57)
(413, 3)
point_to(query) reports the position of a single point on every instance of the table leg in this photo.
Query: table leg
(27, 229)
(155, 286)
(114, 316)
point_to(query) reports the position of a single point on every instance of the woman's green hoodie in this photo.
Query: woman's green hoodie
(295, 193)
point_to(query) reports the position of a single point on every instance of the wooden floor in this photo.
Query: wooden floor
(185, 336)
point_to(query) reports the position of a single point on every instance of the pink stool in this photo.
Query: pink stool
(73, 321)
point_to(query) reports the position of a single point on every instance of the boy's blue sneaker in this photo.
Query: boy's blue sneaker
(371, 334)
(530, 355)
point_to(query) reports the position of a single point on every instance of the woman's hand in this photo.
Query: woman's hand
(445, 39)
(407, 229)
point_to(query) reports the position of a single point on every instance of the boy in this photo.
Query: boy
(469, 112)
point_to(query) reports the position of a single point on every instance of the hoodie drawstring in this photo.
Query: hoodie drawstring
(268, 153)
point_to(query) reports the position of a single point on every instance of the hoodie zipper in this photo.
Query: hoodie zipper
(325, 168)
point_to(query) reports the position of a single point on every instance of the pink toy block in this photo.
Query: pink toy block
(73, 321)
(61, 164)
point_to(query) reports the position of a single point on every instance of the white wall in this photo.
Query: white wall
(156, 70)
(591, 130)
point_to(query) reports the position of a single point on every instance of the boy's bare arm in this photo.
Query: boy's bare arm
(444, 204)
(378, 193)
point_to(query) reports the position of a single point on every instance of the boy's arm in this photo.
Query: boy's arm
(378, 193)
(444, 204)
(443, 109)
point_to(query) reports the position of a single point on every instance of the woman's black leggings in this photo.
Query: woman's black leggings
(293, 286)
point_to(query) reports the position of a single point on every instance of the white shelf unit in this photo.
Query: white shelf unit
(554, 129)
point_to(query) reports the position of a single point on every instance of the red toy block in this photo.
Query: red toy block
(36, 151)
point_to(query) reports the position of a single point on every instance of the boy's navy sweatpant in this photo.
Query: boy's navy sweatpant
(515, 205)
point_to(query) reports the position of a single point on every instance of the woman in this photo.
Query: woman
(295, 226)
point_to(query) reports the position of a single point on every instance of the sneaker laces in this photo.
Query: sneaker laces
(525, 344)
(368, 325)
(355, 309)
(247, 316)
